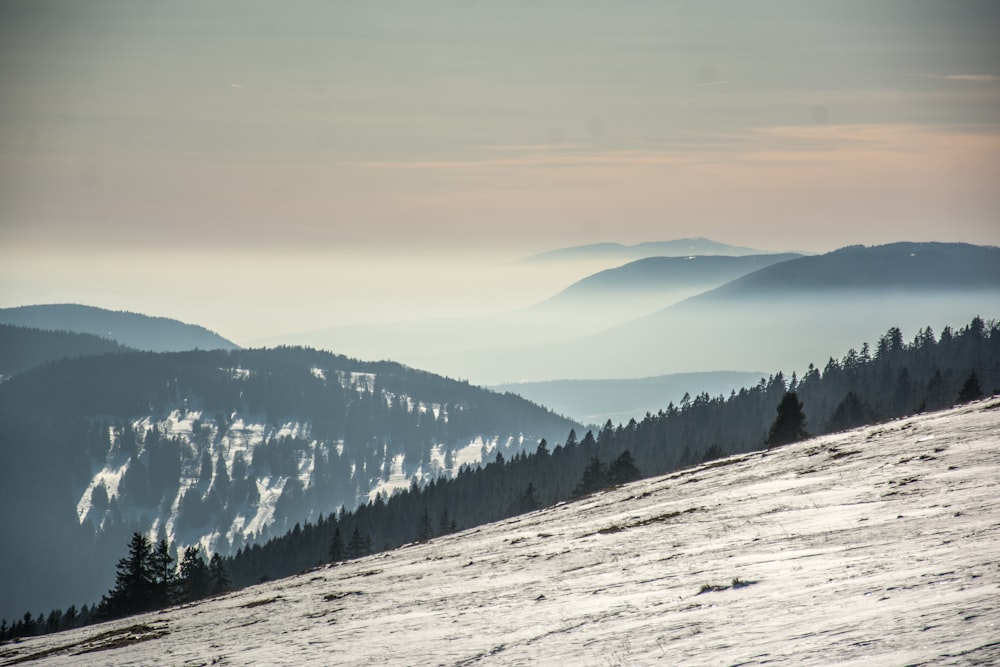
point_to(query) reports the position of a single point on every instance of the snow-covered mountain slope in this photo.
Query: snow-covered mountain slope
(873, 546)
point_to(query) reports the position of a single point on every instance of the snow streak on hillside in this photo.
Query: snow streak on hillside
(232, 441)
(875, 546)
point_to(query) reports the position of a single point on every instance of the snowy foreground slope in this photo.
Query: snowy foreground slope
(875, 546)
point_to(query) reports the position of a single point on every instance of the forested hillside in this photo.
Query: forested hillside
(220, 449)
(22, 348)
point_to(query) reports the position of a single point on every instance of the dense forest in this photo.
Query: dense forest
(893, 379)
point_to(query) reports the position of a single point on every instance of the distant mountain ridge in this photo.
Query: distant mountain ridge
(618, 251)
(617, 294)
(22, 348)
(781, 316)
(142, 332)
(656, 274)
(898, 266)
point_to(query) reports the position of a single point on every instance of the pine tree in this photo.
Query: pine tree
(53, 621)
(358, 546)
(336, 546)
(595, 478)
(424, 530)
(194, 582)
(850, 413)
(69, 617)
(164, 575)
(217, 575)
(971, 391)
(446, 524)
(83, 618)
(623, 469)
(790, 424)
(135, 583)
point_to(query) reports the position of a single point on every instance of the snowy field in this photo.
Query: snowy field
(879, 546)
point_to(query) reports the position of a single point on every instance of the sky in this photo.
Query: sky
(267, 167)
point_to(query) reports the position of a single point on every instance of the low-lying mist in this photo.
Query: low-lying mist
(770, 334)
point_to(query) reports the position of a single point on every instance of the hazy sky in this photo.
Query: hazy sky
(245, 146)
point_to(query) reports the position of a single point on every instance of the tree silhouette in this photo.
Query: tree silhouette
(217, 575)
(623, 469)
(358, 546)
(850, 412)
(135, 581)
(194, 580)
(595, 478)
(790, 424)
(424, 529)
(337, 546)
(971, 391)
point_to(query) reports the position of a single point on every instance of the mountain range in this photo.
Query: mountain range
(786, 315)
(142, 332)
(644, 286)
(619, 252)
(596, 302)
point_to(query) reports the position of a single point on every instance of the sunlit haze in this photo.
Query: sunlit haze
(266, 169)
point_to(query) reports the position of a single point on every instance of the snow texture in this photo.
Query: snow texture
(241, 436)
(876, 546)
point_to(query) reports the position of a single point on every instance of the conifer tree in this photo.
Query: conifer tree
(69, 617)
(135, 583)
(790, 424)
(194, 580)
(595, 478)
(850, 413)
(446, 524)
(424, 530)
(217, 575)
(358, 546)
(623, 470)
(336, 546)
(971, 391)
(164, 575)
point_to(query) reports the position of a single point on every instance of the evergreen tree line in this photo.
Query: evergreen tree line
(896, 379)
(148, 578)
